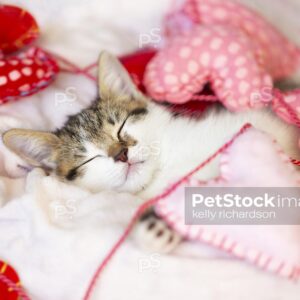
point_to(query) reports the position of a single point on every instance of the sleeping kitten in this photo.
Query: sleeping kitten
(125, 142)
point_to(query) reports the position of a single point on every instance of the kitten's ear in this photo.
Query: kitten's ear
(38, 148)
(113, 78)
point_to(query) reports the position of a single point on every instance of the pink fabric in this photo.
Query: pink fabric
(225, 44)
(251, 161)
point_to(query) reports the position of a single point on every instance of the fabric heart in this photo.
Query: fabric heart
(229, 46)
(221, 55)
(18, 29)
(25, 74)
(253, 160)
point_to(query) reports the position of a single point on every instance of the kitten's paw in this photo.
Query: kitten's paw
(153, 234)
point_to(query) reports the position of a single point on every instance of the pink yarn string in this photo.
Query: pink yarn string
(280, 98)
(90, 67)
(70, 67)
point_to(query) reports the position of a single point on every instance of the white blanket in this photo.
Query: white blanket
(56, 235)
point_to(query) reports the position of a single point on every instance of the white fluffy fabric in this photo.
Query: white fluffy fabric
(56, 235)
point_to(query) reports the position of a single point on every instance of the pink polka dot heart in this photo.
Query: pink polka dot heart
(228, 62)
(230, 46)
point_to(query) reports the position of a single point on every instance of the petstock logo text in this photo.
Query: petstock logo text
(244, 206)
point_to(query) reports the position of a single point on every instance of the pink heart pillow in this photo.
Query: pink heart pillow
(253, 160)
(229, 46)
(221, 55)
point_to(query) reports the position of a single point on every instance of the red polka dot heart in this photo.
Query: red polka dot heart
(25, 72)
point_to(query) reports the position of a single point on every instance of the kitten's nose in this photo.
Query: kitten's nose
(122, 155)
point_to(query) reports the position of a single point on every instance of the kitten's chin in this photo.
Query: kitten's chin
(137, 178)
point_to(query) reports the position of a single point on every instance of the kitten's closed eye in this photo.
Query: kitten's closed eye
(139, 111)
(136, 113)
(73, 172)
(120, 129)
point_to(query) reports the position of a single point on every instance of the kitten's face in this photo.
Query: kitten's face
(110, 145)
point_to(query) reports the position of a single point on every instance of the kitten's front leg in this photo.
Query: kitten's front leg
(153, 234)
